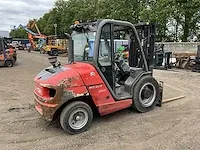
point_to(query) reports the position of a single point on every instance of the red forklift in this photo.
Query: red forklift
(6, 57)
(97, 79)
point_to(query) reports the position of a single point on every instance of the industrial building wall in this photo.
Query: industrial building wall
(181, 46)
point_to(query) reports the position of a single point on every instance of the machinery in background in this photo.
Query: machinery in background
(184, 60)
(6, 57)
(9, 48)
(162, 58)
(37, 40)
(41, 38)
(17, 44)
(55, 45)
(196, 62)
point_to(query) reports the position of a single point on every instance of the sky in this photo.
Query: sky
(16, 12)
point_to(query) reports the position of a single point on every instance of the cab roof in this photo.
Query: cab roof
(91, 26)
(86, 26)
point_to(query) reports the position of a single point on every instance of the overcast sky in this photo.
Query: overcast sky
(15, 12)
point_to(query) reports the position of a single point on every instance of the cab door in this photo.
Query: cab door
(105, 58)
(110, 38)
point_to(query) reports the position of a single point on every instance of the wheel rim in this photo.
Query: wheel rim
(9, 64)
(78, 118)
(55, 53)
(147, 94)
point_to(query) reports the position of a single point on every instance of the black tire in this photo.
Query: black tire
(69, 111)
(146, 84)
(43, 52)
(54, 52)
(9, 63)
(49, 53)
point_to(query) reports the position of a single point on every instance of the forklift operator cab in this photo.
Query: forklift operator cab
(97, 78)
(6, 59)
(119, 75)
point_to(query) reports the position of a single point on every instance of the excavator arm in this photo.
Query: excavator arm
(32, 35)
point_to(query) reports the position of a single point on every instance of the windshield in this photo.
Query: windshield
(83, 46)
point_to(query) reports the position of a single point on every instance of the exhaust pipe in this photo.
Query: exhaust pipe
(70, 48)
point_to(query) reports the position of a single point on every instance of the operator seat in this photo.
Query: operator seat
(124, 70)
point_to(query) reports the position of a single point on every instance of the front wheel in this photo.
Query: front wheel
(145, 94)
(76, 117)
(9, 63)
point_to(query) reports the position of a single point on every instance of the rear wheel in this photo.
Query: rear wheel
(9, 63)
(54, 52)
(76, 117)
(145, 94)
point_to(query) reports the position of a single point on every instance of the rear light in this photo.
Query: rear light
(52, 92)
(45, 92)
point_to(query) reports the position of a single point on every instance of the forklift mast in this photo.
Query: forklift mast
(147, 34)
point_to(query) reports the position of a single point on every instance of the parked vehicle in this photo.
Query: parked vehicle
(94, 80)
(6, 56)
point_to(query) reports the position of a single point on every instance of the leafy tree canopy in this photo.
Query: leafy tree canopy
(176, 19)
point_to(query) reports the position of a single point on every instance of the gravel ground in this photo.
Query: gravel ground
(176, 125)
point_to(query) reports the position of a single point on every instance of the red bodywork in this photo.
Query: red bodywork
(79, 80)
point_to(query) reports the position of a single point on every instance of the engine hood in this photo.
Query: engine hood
(73, 75)
(56, 75)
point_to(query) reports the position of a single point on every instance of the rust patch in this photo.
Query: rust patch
(48, 113)
(62, 95)
(71, 82)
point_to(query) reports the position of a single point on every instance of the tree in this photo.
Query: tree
(189, 16)
(175, 19)
(19, 33)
